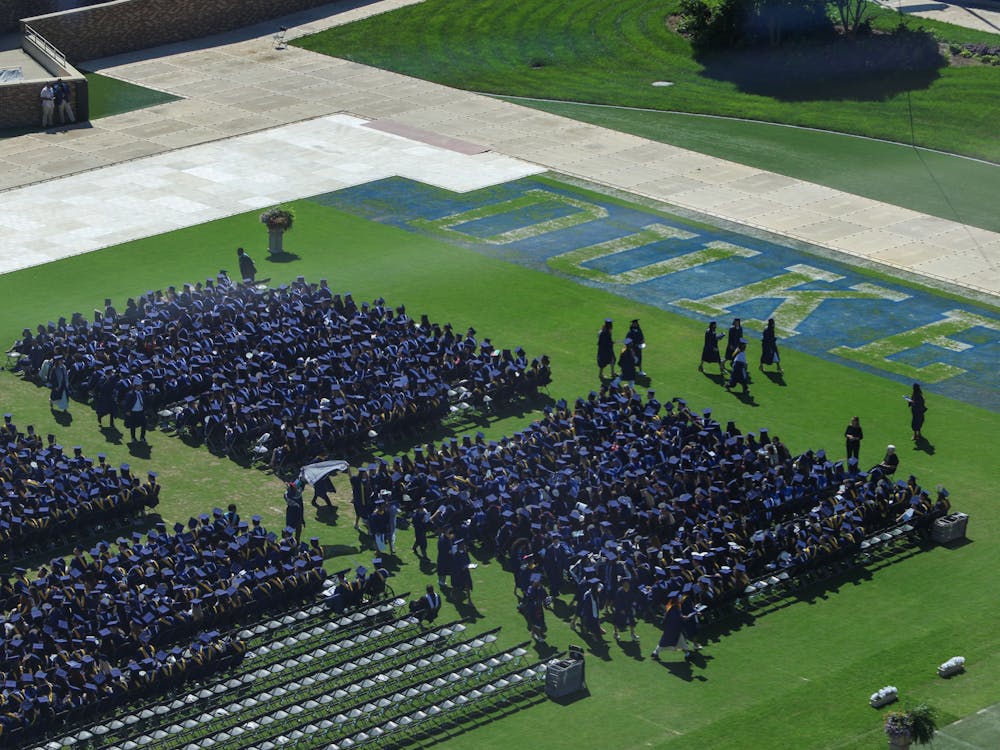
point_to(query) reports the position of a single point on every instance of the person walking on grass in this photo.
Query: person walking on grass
(740, 374)
(918, 408)
(710, 349)
(605, 349)
(248, 269)
(769, 348)
(673, 626)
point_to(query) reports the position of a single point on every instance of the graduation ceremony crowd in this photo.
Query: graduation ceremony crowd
(620, 489)
(47, 492)
(636, 506)
(140, 613)
(311, 370)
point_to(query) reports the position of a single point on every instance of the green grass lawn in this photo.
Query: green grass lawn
(110, 96)
(798, 676)
(933, 183)
(592, 51)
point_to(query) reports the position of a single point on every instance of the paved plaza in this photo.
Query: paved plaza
(241, 84)
(200, 183)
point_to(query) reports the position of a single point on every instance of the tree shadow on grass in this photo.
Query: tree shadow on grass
(872, 67)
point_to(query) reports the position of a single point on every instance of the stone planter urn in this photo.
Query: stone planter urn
(900, 742)
(275, 241)
(278, 221)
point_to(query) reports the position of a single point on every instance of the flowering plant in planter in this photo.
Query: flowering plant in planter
(917, 724)
(898, 724)
(278, 218)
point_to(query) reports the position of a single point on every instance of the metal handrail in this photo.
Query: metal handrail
(50, 49)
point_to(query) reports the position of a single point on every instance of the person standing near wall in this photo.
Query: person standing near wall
(63, 107)
(48, 97)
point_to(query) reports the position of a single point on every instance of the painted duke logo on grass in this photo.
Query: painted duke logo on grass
(821, 306)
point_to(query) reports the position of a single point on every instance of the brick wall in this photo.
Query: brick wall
(126, 25)
(21, 105)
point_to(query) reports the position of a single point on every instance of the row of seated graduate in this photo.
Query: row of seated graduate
(49, 493)
(620, 486)
(312, 370)
(113, 620)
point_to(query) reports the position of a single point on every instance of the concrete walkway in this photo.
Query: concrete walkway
(981, 16)
(239, 83)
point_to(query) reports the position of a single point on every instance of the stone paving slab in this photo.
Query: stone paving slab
(239, 83)
(190, 186)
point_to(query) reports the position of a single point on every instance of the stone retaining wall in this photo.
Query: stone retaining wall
(127, 25)
(21, 104)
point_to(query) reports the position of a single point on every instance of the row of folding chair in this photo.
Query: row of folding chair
(286, 699)
(502, 689)
(407, 699)
(95, 733)
(279, 627)
(331, 634)
(782, 582)
(886, 541)
(296, 707)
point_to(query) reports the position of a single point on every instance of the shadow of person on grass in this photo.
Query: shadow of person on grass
(682, 669)
(746, 398)
(923, 444)
(327, 515)
(778, 378)
(468, 610)
(113, 435)
(631, 648)
(716, 377)
(596, 644)
(140, 450)
(545, 650)
(62, 418)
